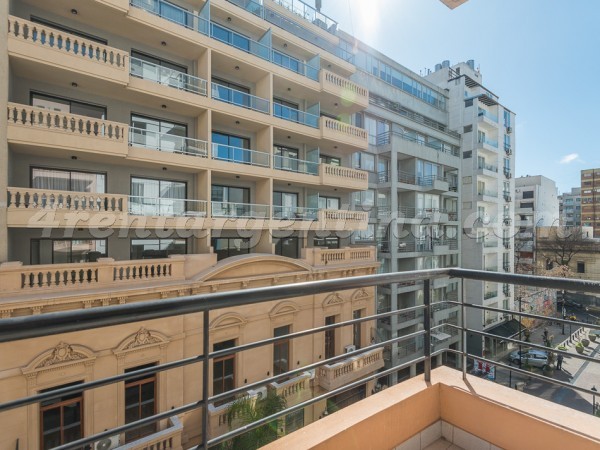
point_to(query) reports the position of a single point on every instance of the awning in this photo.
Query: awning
(507, 329)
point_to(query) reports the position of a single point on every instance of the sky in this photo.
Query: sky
(541, 57)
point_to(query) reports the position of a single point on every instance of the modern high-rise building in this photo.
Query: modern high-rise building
(487, 188)
(590, 199)
(569, 208)
(536, 205)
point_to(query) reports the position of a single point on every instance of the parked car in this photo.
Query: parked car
(531, 357)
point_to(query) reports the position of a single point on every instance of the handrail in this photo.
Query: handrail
(160, 206)
(167, 76)
(294, 64)
(239, 155)
(239, 98)
(295, 115)
(234, 38)
(235, 210)
(385, 139)
(295, 212)
(295, 165)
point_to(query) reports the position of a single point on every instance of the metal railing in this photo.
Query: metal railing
(386, 137)
(295, 115)
(166, 76)
(173, 13)
(484, 113)
(489, 142)
(487, 192)
(239, 155)
(239, 210)
(165, 142)
(309, 14)
(295, 165)
(239, 98)
(490, 167)
(294, 213)
(295, 65)
(239, 41)
(41, 325)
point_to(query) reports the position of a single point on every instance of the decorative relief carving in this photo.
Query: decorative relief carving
(141, 340)
(63, 352)
(333, 299)
(142, 337)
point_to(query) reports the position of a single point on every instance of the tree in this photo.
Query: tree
(247, 410)
(560, 245)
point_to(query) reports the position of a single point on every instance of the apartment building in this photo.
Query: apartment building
(590, 199)
(569, 208)
(487, 187)
(155, 149)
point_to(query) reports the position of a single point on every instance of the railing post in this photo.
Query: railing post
(205, 363)
(427, 326)
(463, 320)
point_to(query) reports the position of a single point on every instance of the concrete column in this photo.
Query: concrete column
(204, 67)
(264, 88)
(4, 85)
(413, 370)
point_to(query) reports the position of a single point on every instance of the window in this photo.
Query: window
(61, 251)
(228, 147)
(281, 351)
(67, 180)
(364, 199)
(288, 110)
(158, 134)
(357, 329)
(230, 37)
(288, 247)
(226, 247)
(364, 161)
(73, 31)
(468, 154)
(67, 106)
(286, 158)
(527, 194)
(223, 369)
(61, 419)
(329, 338)
(506, 118)
(468, 129)
(367, 235)
(329, 202)
(157, 197)
(331, 242)
(157, 248)
(468, 103)
(159, 70)
(332, 160)
(526, 204)
(580, 267)
(140, 402)
(285, 205)
(231, 93)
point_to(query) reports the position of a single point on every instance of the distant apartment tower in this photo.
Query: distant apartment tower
(413, 197)
(590, 199)
(487, 188)
(536, 205)
(569, 208)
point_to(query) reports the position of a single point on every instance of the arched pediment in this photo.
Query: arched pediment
(253, 265)
(332, 299)
(142, 339)
(283, 308)
(60, 356)
(228, 320)
(361, 294)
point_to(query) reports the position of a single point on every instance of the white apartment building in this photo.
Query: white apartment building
(569, 208)
(487, 187)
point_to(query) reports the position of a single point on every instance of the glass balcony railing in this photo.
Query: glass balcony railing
(309, 14)
(295, 65)
(489, 142)
(295, 165)
(174, 207)
(490, 167)
(239, 41)
(239, 98)
(239, 210)
(239, 155)
(487, 193)
(166, 76)
(295, 115)
(484, 113)
(294, 213)
(173, 13)
(165, 142)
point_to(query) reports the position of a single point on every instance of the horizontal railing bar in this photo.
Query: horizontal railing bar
(315, 365)
(57, 393)
(19, 328)
(326, 395)
(76, 445)
(528, 280)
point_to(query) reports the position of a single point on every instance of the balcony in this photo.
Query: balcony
(507, 173)
(490, 294)
(295, 115)
(168, 438)
(309, 14)
(333, 376)
(168, 143)
(238, 155)
(487, 118)
(295, 390)
(318, 256)
(239, 210)
(166, 207)
(488, 144)
(295, 213)
(343, 177)
(507, 149)
(483, 168)
(295, 165)
(61, 52)
(487, 195)
(343, 133)
(444, 394)
(42, 128)
(344, 89)
(239, 98)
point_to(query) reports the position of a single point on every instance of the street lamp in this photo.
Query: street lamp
(594, 400)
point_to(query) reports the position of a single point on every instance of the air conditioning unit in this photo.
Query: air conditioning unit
(508, 150)
(508, 198)
(349, 348)
(107, 443)
(260, 392)
(509, 130)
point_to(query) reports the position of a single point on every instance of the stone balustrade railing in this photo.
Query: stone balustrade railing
(323, 256)
(345, 128)
(167, 439)
(332, 376)
(32, 116)
(344, 83)
(29, 198)
(346, 173)
(341, 215)
(67, 43)
(17, 278)
(294, 389)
